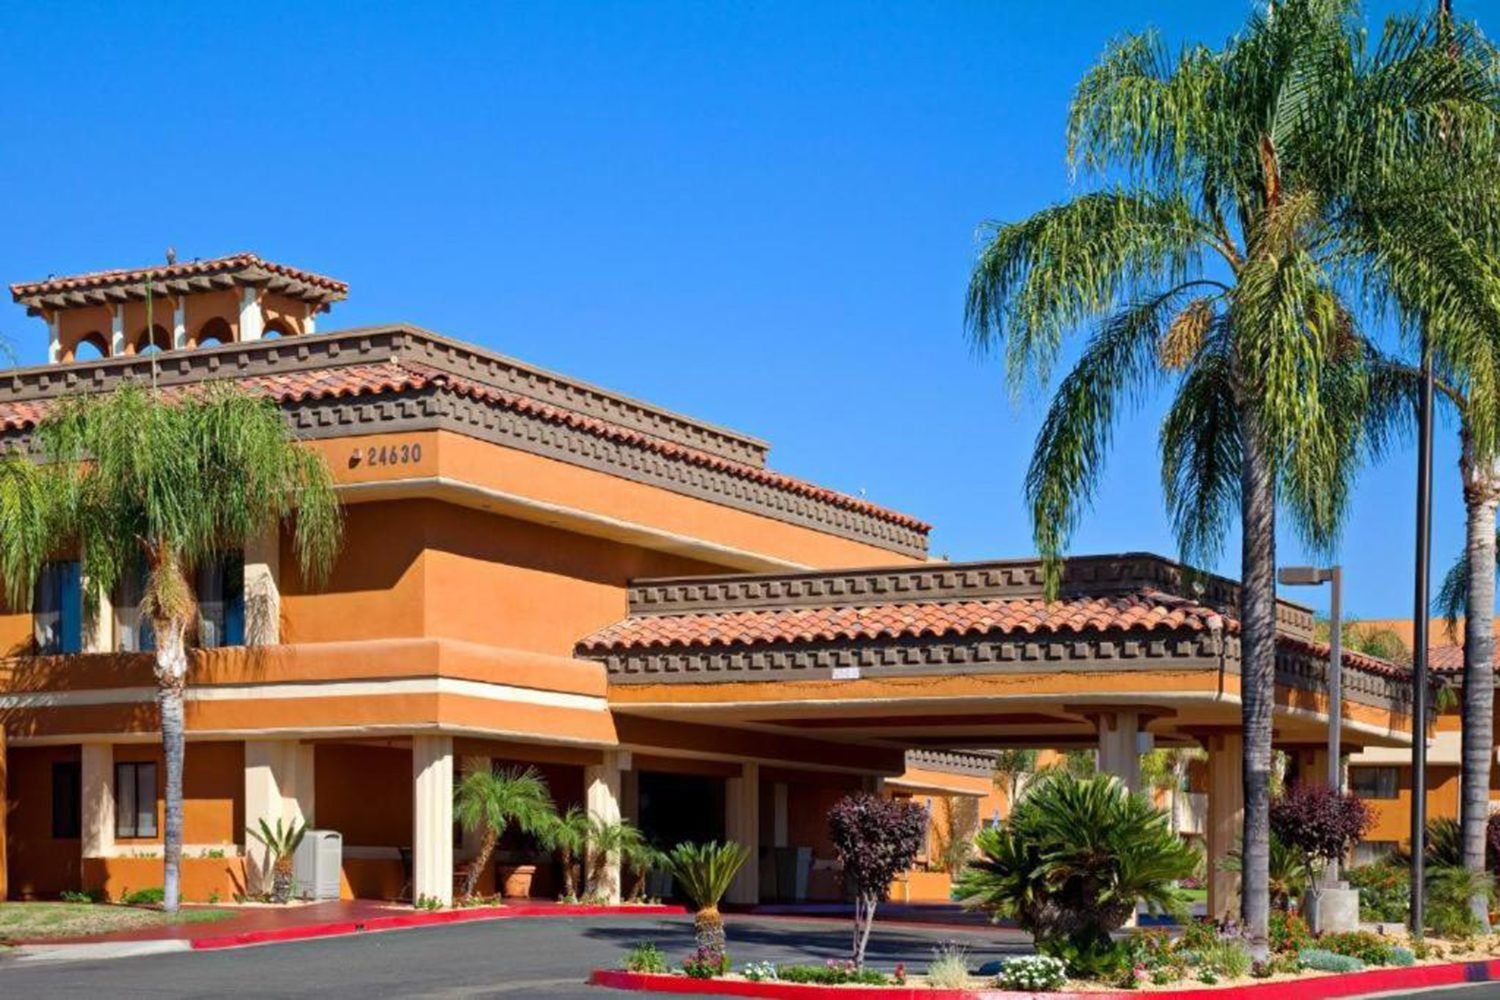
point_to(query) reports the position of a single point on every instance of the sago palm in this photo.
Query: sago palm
(490, 801)
(1073, 860)
(281, 842)
(705, 872)
(1224, 256)
(137, 476)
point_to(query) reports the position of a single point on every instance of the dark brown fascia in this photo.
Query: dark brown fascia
(442, 409)
(1005, 579)
(976, 763)
(929, 656)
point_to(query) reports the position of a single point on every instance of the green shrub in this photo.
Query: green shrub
(706, 962)
(1326, 961)
(1448, 892)
(832, 974)
(1384, 891)
(1226, 957)
(645, 957)
(1371, 949)
(89, 896)
(1403, 957)
(143, 897)
(1032, 974)
(1071, 862)
(1288, 933)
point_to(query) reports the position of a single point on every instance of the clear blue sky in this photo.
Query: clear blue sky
(758, 213)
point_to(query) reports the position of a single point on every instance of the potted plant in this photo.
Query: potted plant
(489, 801)
(281, 843)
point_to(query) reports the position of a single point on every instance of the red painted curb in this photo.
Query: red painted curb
(1314, 988)
(402, 921)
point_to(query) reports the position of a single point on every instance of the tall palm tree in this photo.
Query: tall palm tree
(1223, 254)
(568, 835)
(1166, 770)
(135, 476)
(1012, 768)
(489, 801)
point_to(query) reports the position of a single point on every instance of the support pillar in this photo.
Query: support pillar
(4, 820)
(1312, 766)
(1226, 818)
(54, 338)
(742, 825)
(601, 786)
(262, 591)
(252, 319)
(432, 818)
(1119, 746)
(117, 332)
(97, 776)
(279, 783)
(179, 323)
(99, 622)
(780, 831)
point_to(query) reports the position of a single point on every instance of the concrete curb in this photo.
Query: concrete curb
(95, 951)
(404, 921)
(1313, 988)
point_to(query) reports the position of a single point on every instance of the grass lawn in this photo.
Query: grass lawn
(1196, 895)
(25, 921)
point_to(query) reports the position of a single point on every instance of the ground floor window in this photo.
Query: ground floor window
(1373, 782)
(135, 799)
(67, 800)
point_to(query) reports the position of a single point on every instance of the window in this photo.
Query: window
(221, 601)
(67, 800)
(133, 633)
(1373, 782)
(57, 608)
(135, 799)
(1367, 852)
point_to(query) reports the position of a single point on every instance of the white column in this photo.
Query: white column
(432, 819)
(179, 323)
(262, 590)
(117, 332)
(601, 790)
(278, 788)
(1119, 746)
(1226, 819)
(98, 819)
(54, 338)
(742, 825)
(252, 319)
(99, 625)
(310, 319)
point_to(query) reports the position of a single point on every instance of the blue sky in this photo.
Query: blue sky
(762, 214)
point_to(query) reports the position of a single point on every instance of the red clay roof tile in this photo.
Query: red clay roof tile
(162, 272)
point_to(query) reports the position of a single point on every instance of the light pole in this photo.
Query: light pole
(1307, 576)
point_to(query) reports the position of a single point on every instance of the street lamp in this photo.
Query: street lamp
(1310, 576)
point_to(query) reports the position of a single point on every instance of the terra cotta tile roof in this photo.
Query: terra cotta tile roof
(1144, 612)
(1447, 659)
(392, 377)
(163, 272)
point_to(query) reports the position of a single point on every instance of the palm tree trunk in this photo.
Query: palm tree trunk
(1481, 494)
(570, 884)
(171, 678)
(477, 866)
(1257, 673)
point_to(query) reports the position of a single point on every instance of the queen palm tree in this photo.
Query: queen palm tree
(568, 835)
(1012, 769)
(1224, 253)
(489, 801)
(1166, 770)
(138, 477)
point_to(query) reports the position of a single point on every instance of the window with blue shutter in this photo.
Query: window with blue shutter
(57, 608)
(221, 601)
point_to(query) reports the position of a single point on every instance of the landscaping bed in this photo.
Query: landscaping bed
(44, 921)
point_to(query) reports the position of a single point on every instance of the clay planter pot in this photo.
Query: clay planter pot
(515, 880)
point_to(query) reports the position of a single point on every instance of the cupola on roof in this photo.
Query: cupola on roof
(176, 305)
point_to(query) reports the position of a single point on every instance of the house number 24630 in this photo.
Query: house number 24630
(391, 454)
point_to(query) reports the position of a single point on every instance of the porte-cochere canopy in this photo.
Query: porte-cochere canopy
(973, 655)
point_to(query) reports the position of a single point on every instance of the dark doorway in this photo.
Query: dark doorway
(681, 807)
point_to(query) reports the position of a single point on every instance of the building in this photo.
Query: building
(540, 571)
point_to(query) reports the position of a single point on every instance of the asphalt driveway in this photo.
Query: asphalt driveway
(505, 958)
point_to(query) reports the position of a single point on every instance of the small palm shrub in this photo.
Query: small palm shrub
(705, 871)
(1033, 974)
(949, 969)
(645, 957)
(568, 835)
(1288, 874)
(1072, 861)
(489, 801)
(1449, 890)
(1322, 960)
(281, 842)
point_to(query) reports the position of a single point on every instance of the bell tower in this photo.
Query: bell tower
(176, 306)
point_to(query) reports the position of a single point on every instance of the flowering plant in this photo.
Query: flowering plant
(706, 962)
(1033, 973)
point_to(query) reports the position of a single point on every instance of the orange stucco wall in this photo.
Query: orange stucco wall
(38, 864)
(213, 792)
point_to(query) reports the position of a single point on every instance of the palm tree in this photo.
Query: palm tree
(1223, 257)
(609, 841)
(568, 835)
(1166, 770)
(489, 801)
(705, 872)
(1012, 768)
(641, 857)
(134, 477)
(281, 843)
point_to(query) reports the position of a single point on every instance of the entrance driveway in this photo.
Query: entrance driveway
(507, 958)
